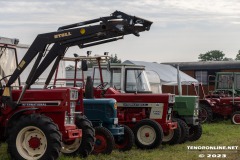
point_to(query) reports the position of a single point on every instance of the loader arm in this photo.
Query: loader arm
(84, 34)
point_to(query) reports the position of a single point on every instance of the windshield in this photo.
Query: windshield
(225, 81)
(136, 81)
(7, 63)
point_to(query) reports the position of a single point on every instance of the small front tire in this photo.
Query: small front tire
(148, 134)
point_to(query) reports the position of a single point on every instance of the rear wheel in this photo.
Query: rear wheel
(205, 113)
(184, 130)
(34, 137)
(173, 136)
(235, 118)
(195, 132)
(85, 145)
(148, 134)
(104, 141)
(126, 141)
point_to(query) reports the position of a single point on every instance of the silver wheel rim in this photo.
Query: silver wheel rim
(169, 136)
(27, 138)
(146, 135)
(70, 148)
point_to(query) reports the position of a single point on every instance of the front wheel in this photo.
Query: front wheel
(173, 136)
(148, 134)
(195, 132)
(126, 141)
(85, 145)
(34, 137)
(104, 141)
(235, 118)
(205, 114)
(184, 130)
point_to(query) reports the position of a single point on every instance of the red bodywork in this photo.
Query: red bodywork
(221, 104)
(52, 103)
(126, 114)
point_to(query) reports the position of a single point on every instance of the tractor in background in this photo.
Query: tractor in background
(224, 101)
(101, 112)
(149, 116)
(185, 109)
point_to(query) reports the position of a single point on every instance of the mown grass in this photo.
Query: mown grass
(214, 134)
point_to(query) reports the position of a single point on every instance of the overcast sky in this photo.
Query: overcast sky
(181, 30)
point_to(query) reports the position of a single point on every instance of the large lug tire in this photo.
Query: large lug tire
(195, 132)
(184, 130)
(104, 141)
(173, 136)
(205, 114)
(85, 145)
(34, 137)
(126, 141)
(148, 134)
(235, 117)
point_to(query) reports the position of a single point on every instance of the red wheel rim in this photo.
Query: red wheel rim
(100, 144)
(122, 143)
(203, 115)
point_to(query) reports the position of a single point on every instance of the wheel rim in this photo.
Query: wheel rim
(168, 136)
(100, 144)
(236, 118)
(203, 115)
(71, 146)
(146, 135)
(31, 143)
(124, 140)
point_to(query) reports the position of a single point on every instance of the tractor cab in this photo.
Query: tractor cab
(134, 79)
(8, 60)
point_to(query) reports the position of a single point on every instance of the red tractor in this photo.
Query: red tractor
(148, 115)
(224, 101)
(36, 121)
(36, 127)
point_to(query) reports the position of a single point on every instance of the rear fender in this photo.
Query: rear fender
(15, 116)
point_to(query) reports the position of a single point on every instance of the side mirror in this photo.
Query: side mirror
(84, 65)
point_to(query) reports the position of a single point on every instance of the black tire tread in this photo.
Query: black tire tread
(184, 130)
(42, 122)
(209, 112)
(195, 132)
(88, 136)
(130, 139)
(109, 138)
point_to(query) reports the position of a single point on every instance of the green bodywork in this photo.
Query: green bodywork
(186, 108)
(103, 112)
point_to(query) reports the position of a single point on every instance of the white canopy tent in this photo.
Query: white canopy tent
(166, 73)
(162, 74)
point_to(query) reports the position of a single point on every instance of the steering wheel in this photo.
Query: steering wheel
(102, 85)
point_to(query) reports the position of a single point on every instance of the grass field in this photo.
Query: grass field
(215, 134)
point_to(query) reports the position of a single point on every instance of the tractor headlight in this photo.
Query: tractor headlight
(72, 107)
(73, 94)
(171, 98)
(115, 121)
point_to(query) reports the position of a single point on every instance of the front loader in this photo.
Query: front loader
(36, 122)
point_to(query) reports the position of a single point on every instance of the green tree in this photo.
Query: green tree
(114, 59)
(214, 55)
(238, 55)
